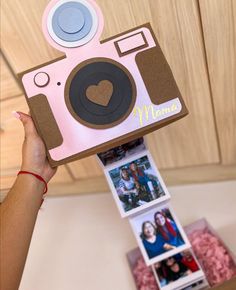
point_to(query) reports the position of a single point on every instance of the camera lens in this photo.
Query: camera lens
(72, 23)
(96, 74)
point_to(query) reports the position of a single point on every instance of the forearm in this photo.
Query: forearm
(18, 215)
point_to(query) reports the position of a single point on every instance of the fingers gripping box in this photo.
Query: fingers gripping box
(101, 94)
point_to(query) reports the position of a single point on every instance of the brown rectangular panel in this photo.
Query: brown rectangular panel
(45, 121)
(158, 78)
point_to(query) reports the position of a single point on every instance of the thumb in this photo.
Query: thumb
(27, 123)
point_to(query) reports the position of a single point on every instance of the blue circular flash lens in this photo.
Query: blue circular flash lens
(72, 21)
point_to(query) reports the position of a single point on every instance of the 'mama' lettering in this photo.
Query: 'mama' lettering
(147, 112)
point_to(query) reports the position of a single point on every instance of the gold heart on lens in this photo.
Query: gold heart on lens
(100, 94)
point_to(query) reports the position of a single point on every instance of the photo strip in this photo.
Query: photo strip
(136, 184)
(181, 271)
(159, 234)
(121, 152)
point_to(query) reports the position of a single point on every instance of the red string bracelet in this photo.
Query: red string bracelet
(38, 177)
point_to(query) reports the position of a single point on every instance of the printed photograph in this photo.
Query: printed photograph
(136, 184)
(121, 152)
(159, 234)
(151, 276)
(177, 270)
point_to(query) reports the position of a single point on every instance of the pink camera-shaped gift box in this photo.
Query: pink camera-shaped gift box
(101, 94)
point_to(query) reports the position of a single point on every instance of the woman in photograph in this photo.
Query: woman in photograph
(149, 182)
(161, 271)
(189, 261)
(127, 183)
(139, 175)
(168, 229)
(129, 189)
(176, 270)
(143, 180)
(153, 242)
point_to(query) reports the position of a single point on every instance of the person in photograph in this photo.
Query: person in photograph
(171, 269)
(168, 229)
(153, 242)
(120, 153)
(127, 183)
(161, 273)
(176, 270)
(139, 175)
(189, 261)
(144, 182)
(129, 189)
(148, 182)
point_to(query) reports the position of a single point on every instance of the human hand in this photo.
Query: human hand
(168, 247)
(137, 185)
(188, 272)
(34, 157)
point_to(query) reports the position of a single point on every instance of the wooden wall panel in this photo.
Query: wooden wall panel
(85, 168)
(22, 39)
(219, 27)
(189, 142)
(12, 134)
(8, 85)
(7, 179)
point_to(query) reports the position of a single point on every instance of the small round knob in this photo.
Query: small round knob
(41, 79)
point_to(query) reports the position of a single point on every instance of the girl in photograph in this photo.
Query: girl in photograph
(153, 242)
(168, 229)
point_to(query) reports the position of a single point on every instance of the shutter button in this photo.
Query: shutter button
(41, 79)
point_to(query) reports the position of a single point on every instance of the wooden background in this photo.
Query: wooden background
(198, 39)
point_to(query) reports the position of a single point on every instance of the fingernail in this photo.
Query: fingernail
(16, 115)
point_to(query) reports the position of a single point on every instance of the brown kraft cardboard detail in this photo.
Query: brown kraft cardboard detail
(100, 94)
(45, 121)
(158, 78)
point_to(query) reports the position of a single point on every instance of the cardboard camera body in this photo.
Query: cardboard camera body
(101, 94)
